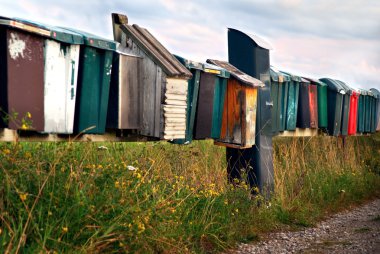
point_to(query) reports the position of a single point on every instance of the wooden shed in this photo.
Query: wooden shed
(240, 106)
(162, 81)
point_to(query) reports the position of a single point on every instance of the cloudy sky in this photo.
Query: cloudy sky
(324, 38)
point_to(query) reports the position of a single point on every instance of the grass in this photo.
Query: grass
(163, 198)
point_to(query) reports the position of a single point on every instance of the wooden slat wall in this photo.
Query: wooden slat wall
(150, 92)
(129, 93)
(204, 116)
(175, 109)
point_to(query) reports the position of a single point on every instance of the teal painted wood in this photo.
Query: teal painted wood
(291, 113)
(373, 113)
(377, 111)
(193, 106)
(220, 95)
(93, 90)
(367, 119)
(322, 106)
(192, 100)
(360, 117)
(284, 104)
(334, 105)
(292, 101)
(276, 98)
(219, 88)
(345, 114)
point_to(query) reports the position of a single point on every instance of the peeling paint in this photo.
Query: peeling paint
(16, 47)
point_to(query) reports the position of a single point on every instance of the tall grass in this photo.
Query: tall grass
(163, 198)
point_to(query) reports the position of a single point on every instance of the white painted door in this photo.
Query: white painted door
(61, 73)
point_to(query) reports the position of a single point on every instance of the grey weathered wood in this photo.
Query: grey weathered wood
(158, 102)
(129, 97)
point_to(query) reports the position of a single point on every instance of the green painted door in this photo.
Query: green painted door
(322, 106)
(93, 90)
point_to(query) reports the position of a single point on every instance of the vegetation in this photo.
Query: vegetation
(164, 198)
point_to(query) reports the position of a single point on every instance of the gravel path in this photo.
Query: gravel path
(355, 231)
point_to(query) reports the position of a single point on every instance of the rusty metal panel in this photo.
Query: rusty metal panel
(313, 95)
(25, 57)
(61, 74)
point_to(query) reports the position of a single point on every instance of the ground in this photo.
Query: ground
(353, 231)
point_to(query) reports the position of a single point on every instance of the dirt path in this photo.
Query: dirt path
(355, 231)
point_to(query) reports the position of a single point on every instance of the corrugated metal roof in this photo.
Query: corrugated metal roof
(154, 49)
(238, 74)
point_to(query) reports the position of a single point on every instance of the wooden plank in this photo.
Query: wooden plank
(8, 135)
(175, 115)
(250, 116)
(176, 86)
(175, 125)
(173, 132)
(158, 102)
(203, 122)
(178, 97)
(175, 120)
(171, 137)
(147, 93)
(175, 102)
(175, 128)
(234, 127)
(129, 94)
(175, 110)
(230, 145)
(300, 133)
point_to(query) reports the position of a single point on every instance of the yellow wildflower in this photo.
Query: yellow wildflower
(140, 227)
(65, 229)
(6, 151)
(24, 126)
(50, 213)
(138, 175)
(28, 114)
(23, 196)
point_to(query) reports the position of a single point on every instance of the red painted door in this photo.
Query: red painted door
(313, 104)
(352, 118)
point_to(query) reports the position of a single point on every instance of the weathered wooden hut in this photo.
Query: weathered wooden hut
(240, 106)
(162, 81)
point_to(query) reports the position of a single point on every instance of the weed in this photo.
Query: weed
(163, 198)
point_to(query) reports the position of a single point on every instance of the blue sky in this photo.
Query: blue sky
(325, 38)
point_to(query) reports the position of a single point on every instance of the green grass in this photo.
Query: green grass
(76, 198)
